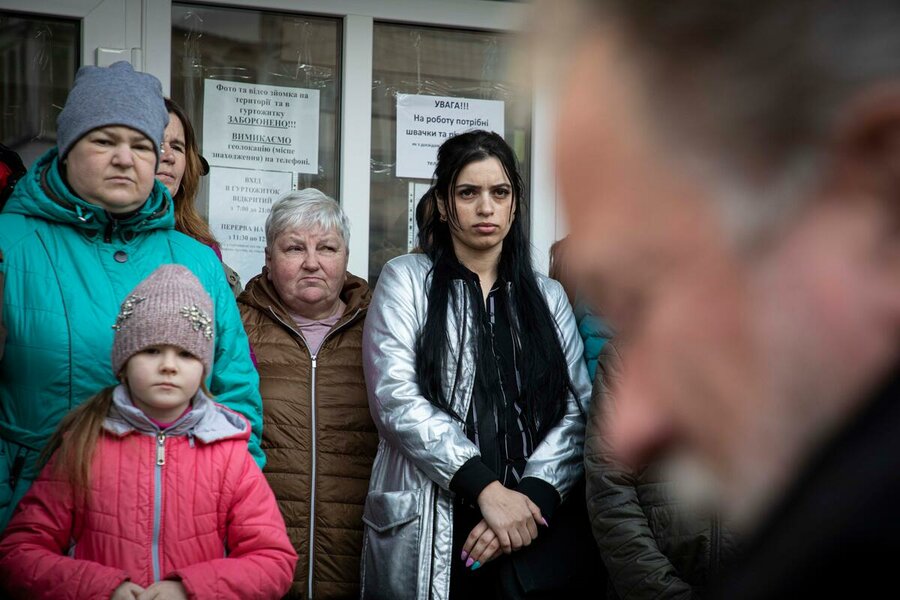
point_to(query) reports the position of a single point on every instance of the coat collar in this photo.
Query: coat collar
(44, 194)
(207, 421)
(261, 294)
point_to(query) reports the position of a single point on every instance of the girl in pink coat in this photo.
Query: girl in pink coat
(151, 492)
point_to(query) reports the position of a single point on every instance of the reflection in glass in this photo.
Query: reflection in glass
(38, 61)
(437, 62)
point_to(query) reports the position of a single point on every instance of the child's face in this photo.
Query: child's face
(163, 380)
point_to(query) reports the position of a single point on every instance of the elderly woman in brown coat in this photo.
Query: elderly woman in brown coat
(304, 316)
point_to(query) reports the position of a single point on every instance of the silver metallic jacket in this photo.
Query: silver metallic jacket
(408, 514)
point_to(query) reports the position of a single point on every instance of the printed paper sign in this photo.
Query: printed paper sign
(239, 202)
(424, 122)
(269, 127)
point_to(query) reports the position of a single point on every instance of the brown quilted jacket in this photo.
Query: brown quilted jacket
(323, 453)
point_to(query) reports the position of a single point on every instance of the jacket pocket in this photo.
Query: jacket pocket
(683, 537)
(393, 528)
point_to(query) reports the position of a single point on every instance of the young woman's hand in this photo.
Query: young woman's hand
(481, 546)
(127, 591)
(165, 590)
(511, 515)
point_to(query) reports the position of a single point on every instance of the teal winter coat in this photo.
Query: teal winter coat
(67, 267)
(594, 333)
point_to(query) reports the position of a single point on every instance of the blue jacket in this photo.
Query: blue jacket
(594, 333)
(67, 266)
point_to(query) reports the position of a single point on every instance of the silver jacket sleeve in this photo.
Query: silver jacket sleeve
(558, 458)
(433, 440)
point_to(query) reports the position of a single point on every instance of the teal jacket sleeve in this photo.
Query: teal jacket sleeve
(2, 328)
(234, 381)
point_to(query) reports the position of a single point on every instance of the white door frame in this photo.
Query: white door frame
(109, 29)
(142, 29)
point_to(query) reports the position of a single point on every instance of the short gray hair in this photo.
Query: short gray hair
(776, 78)
(306, 209)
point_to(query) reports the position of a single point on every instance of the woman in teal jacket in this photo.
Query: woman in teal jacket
(81, 229)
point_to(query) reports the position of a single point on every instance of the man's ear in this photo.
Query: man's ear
(866, 154)
(866, 146)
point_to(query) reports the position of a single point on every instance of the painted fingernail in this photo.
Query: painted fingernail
(476, 565)
(464, 555)
(544, 521)
(469, 562)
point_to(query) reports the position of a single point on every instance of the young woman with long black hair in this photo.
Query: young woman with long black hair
(477, 386)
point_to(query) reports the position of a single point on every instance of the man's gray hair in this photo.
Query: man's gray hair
(761, 85)
(306, 209)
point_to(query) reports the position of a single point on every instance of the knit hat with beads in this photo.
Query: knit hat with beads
(169, 307)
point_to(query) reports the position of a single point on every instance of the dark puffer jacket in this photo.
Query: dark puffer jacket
(652, 546)
(319, 437)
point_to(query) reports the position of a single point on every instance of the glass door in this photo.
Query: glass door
(430, 83)
(263, 92)
(42, 45)
(39, 56)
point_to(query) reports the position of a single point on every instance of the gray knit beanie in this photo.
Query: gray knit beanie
(170, 307)
(114, 95)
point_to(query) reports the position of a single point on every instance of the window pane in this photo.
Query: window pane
(262, 90)
(38, 60)
(430, 61)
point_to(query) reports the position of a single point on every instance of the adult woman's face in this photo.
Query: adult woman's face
(484, 209)
(308, 269)
(112, 167)
(173, 160)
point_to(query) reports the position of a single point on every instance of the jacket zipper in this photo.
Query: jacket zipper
(157, 500)
(312, 485)
(111, 227)
(714, 548)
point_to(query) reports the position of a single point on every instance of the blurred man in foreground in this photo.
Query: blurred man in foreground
(733, 174)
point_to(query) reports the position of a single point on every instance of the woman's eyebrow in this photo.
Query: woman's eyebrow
(476, 186)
